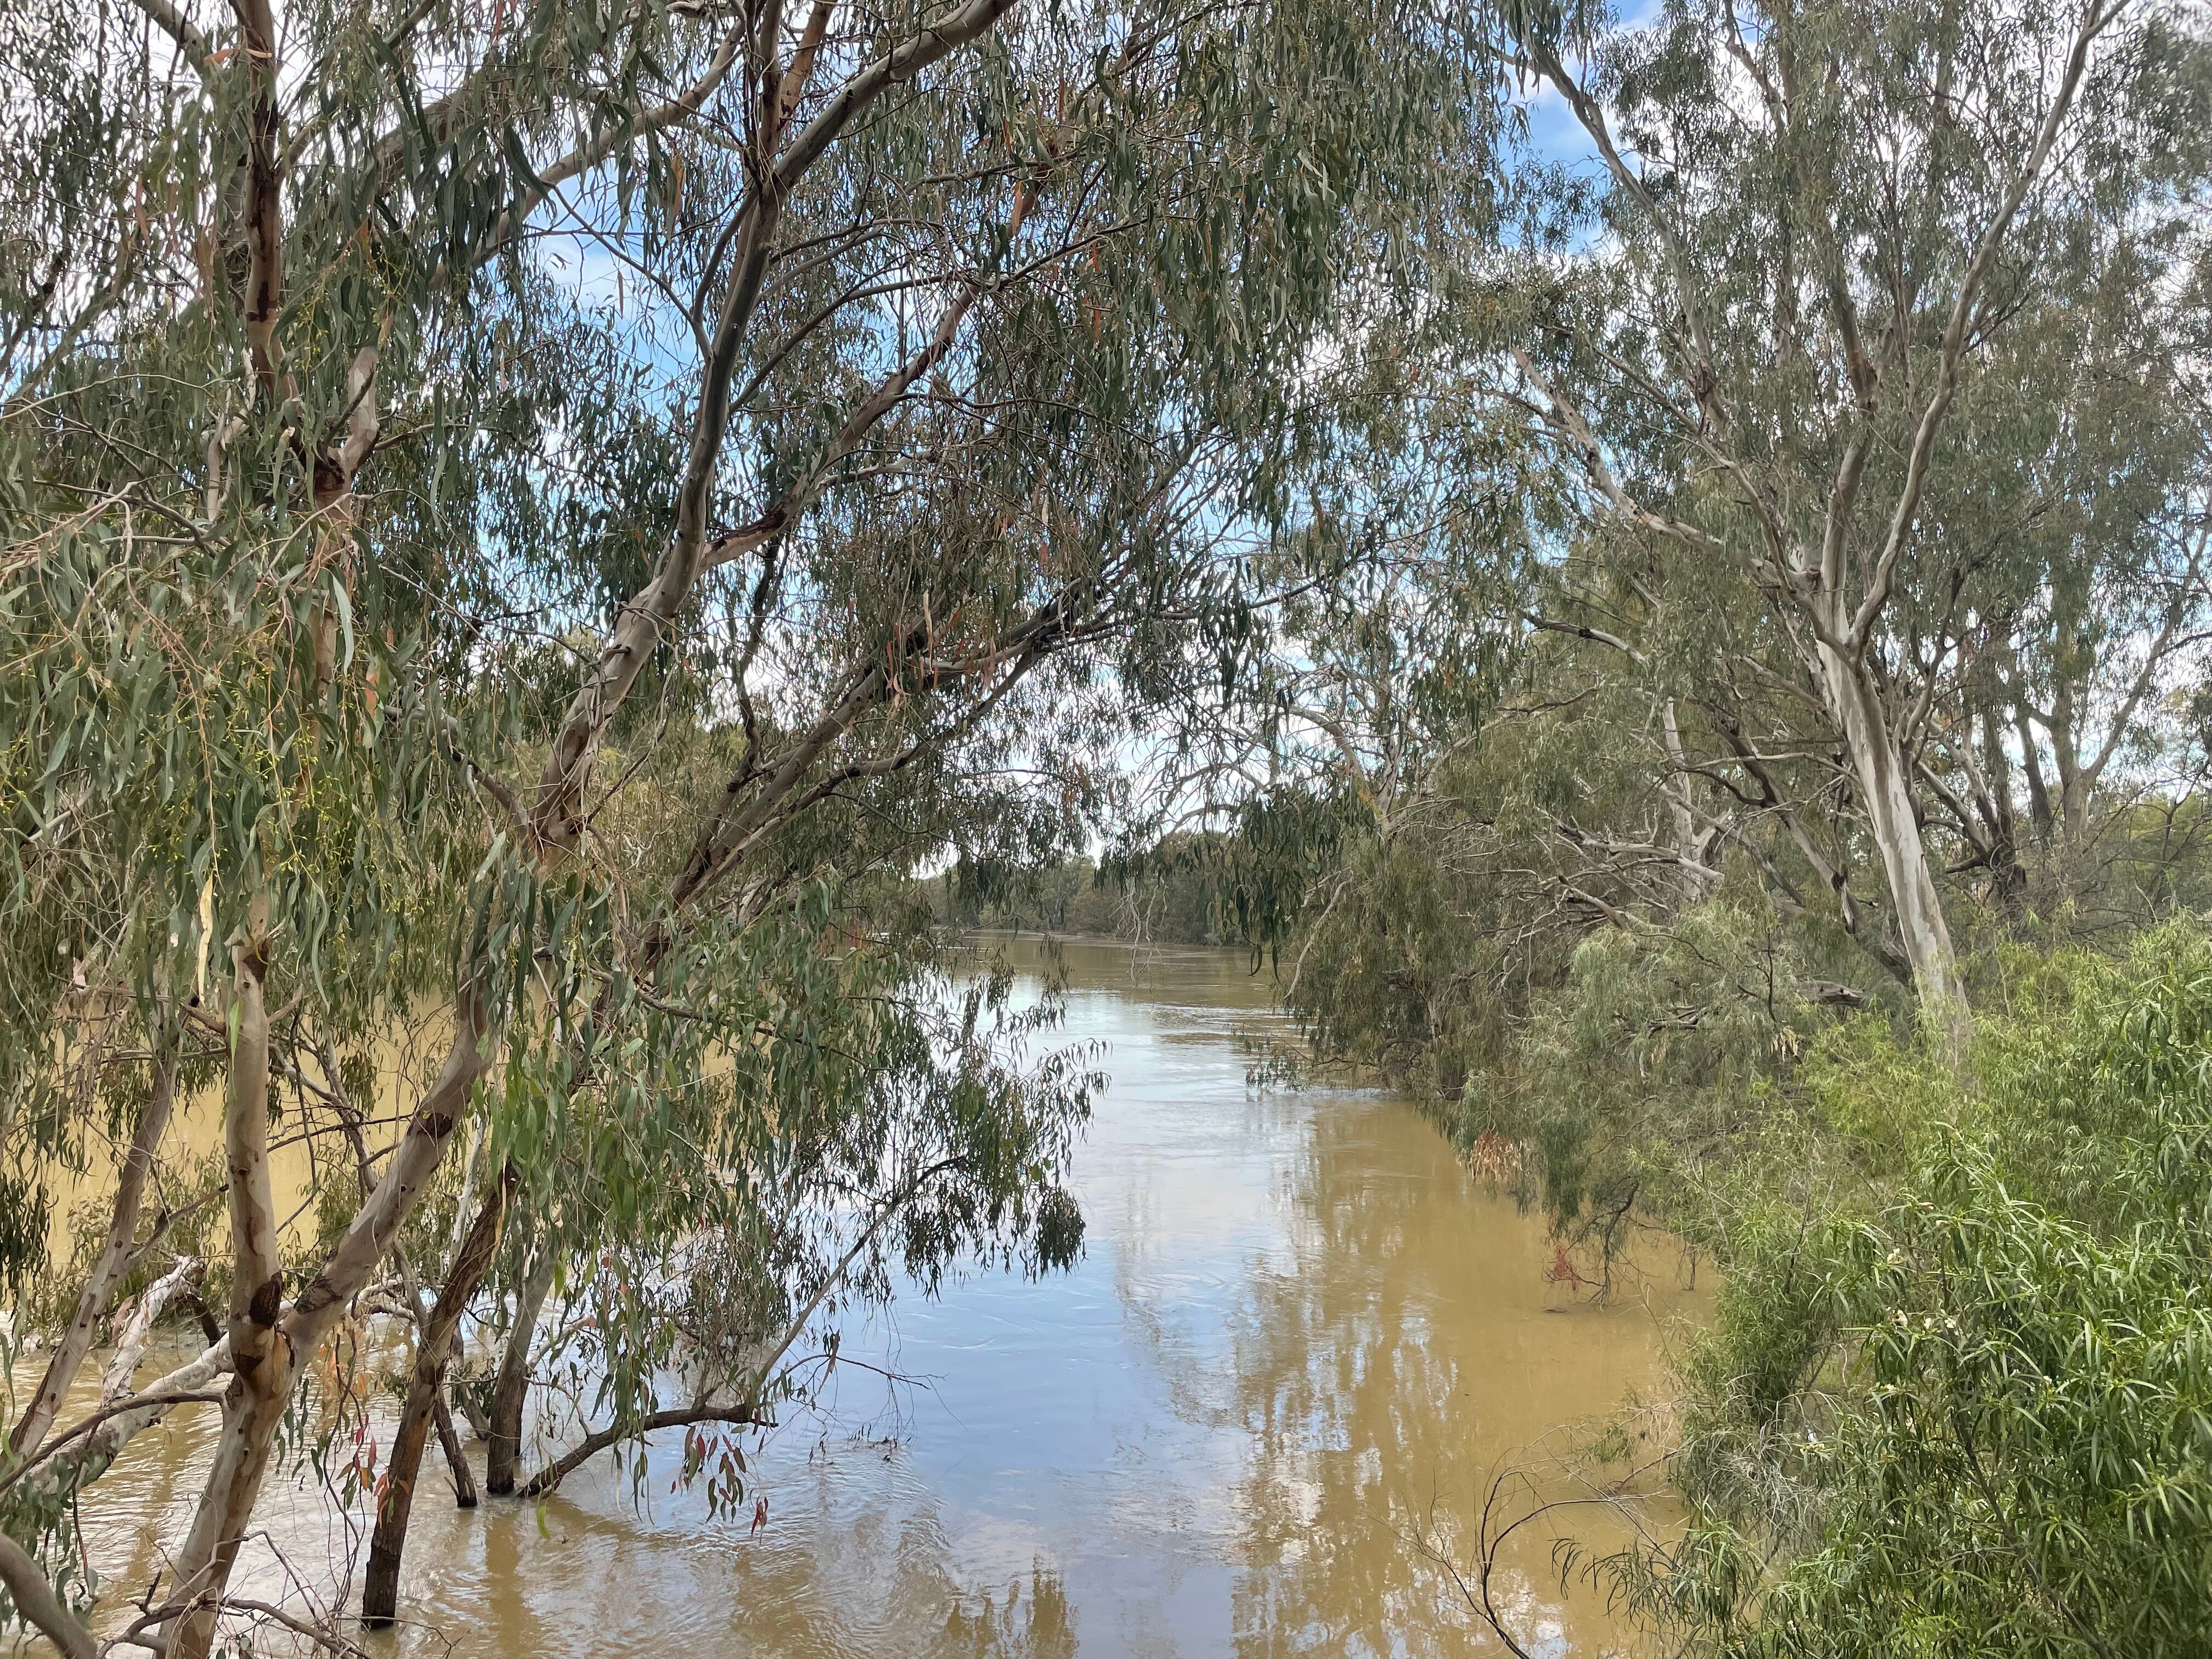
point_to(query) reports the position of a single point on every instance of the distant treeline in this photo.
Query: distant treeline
(1169, 895)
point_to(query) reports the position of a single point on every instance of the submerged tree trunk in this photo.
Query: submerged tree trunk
(549, 1479)
(461, 1399)
(457, 1459)
(75, 1466)
(379, 1595)
(503, 1451)
(260, 1388)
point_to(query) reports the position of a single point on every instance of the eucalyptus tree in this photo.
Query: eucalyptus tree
(914, 1168)
(701, 1241)
(947, 400)
(1817, 225)
(2089, 614)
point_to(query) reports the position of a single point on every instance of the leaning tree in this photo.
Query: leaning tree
(519, 509)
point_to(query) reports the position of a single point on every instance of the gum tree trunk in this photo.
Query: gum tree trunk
(1884, 792)
(456, 1460)
(503, 1449)
(256, 1402)
(379, 1595)
(261, 1361)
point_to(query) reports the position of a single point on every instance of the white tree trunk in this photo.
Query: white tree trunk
(77, 1465)
(261, 1358)
(1863, 723)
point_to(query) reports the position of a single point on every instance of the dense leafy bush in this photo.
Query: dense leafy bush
(1975, 1418)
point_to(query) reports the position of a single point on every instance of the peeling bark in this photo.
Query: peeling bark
(74, 1467)
(138, 1330)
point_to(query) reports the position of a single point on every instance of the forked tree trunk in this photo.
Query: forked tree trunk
(261, 1357)
(266, 1372)
(379, 1595)
(503, 1449)
(256, 1403)
(114, 1253)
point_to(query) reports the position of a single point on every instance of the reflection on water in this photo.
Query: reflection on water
(1301, 1335)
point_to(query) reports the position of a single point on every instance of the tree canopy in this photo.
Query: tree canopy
(1640, 561)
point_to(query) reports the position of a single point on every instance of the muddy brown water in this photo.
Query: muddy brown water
(1301, 1344)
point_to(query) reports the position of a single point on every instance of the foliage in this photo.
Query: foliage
(1821, 592)
(526, 525)
(1182, 889)
(529, 527)
(1966, 1412)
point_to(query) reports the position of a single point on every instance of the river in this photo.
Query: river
(1301, 1342)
